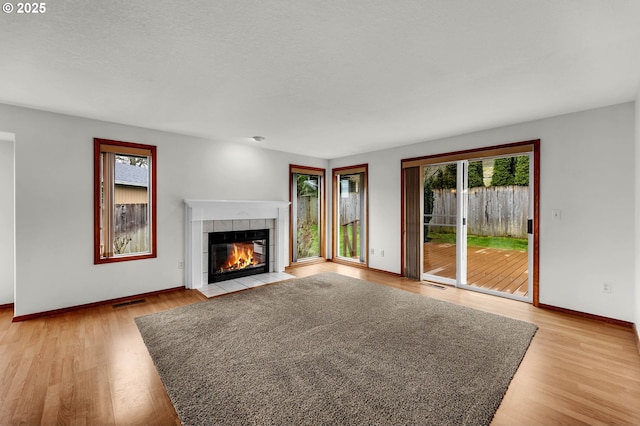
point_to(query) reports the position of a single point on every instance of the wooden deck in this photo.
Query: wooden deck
(500, 270)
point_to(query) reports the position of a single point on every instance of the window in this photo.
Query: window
(350, 214)
(307, 213)
(124, 201)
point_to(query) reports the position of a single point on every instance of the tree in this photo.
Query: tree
(521, 174)
(503, 172)
(476, 177)
(445, 177)
(307, 185)
(511, 171)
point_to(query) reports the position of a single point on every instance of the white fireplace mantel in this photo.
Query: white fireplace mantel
(198, 211)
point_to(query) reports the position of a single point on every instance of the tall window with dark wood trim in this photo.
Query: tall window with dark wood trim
(350, 214)
(124, 201)
(307, 195)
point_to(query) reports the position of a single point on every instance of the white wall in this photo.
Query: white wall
(587, 171)
(54, 203)
(6, 218)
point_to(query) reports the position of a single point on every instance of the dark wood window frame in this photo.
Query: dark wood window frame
(360, 168)
(297, 169)
(101, 146)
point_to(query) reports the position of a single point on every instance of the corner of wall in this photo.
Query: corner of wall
(7, 219)
(637, 218)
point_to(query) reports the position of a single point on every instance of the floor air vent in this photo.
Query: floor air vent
(440, 287)
(127, 303)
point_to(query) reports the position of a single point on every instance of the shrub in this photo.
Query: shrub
(503, 169)
(476, 177)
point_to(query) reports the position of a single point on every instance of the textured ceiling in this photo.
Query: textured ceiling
(326, 78)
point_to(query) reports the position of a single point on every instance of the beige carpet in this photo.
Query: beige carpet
(330, 349)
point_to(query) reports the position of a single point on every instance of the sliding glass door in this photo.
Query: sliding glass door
(478, 224)
(441, 222)
(499, 219)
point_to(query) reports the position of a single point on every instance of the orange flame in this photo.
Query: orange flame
(240, 257)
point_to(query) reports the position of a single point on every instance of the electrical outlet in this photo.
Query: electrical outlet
(381, 253)
(373, 252)
(180, 265)
(607, 288)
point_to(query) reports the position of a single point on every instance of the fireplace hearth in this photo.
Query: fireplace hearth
(235, 254)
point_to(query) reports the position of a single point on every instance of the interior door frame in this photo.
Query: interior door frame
(529, 146)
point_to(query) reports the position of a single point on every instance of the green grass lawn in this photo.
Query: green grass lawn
(349, 232)
(309, 244)
(308, 241)
(504, 243)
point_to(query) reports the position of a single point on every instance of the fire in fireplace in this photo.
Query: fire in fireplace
(237, 254)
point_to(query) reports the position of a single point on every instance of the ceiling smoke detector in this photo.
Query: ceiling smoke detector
(258, 138)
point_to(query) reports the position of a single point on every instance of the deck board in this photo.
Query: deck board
(501, 270)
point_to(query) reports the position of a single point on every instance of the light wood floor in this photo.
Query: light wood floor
(91, 366)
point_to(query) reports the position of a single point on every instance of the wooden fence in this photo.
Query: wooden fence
(131, 230)
(500, 211)
(307, 209)
(349, 209)
(349, 217)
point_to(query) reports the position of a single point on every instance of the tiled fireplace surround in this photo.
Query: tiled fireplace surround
(204, 216)
(235, 225)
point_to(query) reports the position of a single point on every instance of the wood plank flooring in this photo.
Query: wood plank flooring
(496, 269)
(91, 366)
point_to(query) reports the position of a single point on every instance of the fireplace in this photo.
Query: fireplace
(205, 216)
(235, 254)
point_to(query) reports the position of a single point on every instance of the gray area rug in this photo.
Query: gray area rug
(330, 349)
